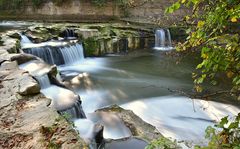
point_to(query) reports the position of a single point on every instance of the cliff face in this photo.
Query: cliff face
(84, 11)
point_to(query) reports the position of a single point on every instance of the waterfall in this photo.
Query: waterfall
(69, 33)
(72, 54)
(43, 81)
(45, 53)
(163, 40)
(25, 39)
(75, 111)
(58, 55)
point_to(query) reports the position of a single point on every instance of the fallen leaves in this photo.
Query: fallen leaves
(14, 141)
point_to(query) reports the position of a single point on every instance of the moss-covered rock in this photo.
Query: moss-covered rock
(178, 33)
(91, 46)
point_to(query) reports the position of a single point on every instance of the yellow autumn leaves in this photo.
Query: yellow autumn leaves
(200, 24)
(234, 19)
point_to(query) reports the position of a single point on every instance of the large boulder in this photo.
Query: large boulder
(24, 84)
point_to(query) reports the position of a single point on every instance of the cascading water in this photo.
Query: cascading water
(43, 81)
(24, 40)
(69, 34)
(163, 40)
(45, 53)
(55, 55)
(72, 54)
(75, 111)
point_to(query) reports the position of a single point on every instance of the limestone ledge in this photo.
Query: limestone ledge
(26, 121)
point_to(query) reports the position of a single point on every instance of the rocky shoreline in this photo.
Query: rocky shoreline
(27, 120)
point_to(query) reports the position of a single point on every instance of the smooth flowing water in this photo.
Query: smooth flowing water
(57, 54)
(163, 40)
(142, 82)
(64, 100)
(132, 143)
(10, 25)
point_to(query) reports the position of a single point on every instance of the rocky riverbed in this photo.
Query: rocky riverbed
(27, 119)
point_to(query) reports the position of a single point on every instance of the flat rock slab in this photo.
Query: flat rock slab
(137, 126)
(27, 121)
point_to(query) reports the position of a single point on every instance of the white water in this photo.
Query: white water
(52, 52)
(25, 40)
(43, 81)
(163, 40)
(27, 43)
(181, 118)
(62, 98)
(72, 54)
(141, 83)
(114, 128)
(85, 128)
(173, 116)
(14, 23)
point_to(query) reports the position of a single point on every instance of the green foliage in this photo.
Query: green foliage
(225, 135)
(36, 3)
(60, 2)
(90, 45)
(214, 31)
(14, 4)
(17, 4)
(98, 2)
(162, 143)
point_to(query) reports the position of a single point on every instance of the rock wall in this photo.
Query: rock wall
(26, 120)
(74, 11)
(151, 11)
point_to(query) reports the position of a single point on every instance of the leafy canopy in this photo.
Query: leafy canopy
(214, 29)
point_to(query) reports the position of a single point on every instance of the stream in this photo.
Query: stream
(143, 81)
(140, 82)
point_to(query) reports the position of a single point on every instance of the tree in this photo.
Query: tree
(214, 29)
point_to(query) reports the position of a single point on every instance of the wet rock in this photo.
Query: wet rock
(136, 125)
(55, 81)
(53, 71)
(126, 143)
(14, 35)
(98, 130)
